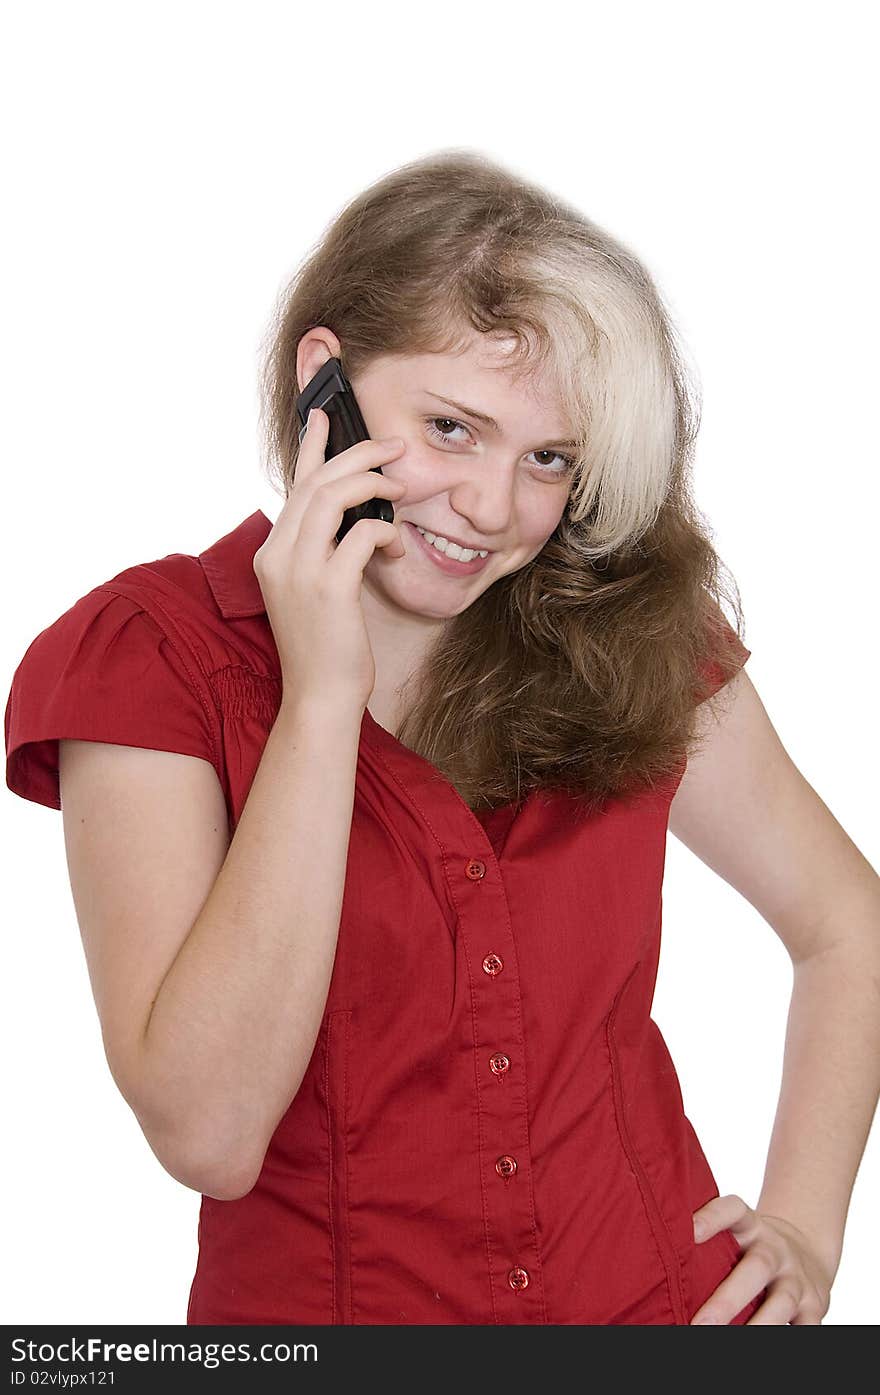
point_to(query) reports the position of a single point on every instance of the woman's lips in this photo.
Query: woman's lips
(447, 564)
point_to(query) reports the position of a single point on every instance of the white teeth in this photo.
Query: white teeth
(460, 554)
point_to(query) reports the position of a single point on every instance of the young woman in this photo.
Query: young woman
(367, 839)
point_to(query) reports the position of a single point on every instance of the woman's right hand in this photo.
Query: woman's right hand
(310, 583)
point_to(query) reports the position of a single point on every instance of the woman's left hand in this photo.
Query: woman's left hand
(778, 1256)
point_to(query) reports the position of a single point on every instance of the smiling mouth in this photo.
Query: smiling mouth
(449, 564)
(432, 535)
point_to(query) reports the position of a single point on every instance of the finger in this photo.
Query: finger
(305, 426)
(312, 442)
(720, 1213)
(322, 519)
(286, 527)
(312, 470)
(742, 1284)
(359, 544)
(778, 1308)
(362, 455)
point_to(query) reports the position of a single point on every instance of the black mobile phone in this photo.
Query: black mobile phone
(331, 391)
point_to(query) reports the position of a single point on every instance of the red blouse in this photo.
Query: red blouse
(490, 1128)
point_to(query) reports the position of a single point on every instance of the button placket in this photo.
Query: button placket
(509, 1209)
(483, 930)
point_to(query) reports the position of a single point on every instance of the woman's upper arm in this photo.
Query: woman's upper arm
(146, 833)
(746, 810)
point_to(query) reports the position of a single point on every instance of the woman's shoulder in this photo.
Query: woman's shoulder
(136, 661)
(208, 604)
(216, 583)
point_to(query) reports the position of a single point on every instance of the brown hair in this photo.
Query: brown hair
(581, 671)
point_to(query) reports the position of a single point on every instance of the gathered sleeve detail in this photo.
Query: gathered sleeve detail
(107, 671)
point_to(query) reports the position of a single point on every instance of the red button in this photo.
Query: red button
(475, 869)
(493, 964)
(506, 1165)
(518, 1278)
(499, 1063)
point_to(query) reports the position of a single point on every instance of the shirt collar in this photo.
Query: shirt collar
(228, 565)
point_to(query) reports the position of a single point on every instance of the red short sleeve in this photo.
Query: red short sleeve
(712, 674)
(104, 671)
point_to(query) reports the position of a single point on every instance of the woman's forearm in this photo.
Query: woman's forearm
(830, 1084)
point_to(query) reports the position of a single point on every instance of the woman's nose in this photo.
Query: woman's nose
(485, 497)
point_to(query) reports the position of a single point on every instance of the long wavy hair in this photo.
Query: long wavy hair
(581, 672)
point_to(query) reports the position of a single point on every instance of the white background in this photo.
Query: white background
(166, 167)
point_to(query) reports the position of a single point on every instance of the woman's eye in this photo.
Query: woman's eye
(567, 463)
(446, 421)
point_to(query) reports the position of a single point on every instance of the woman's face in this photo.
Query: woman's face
(500, 488)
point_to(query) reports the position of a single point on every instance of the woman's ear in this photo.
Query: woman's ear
(315, 347)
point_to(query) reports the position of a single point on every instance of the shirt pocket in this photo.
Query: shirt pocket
(335, 1077)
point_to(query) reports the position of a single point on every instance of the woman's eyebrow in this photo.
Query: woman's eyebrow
(487, 420)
